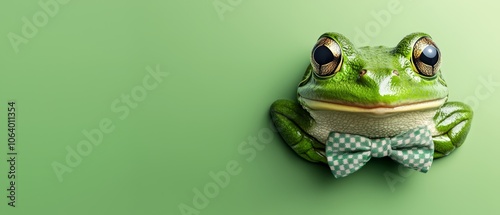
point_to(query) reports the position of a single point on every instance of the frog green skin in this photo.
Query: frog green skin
(371, 91)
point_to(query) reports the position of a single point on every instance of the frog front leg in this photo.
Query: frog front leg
(292, 121)
(453, 122)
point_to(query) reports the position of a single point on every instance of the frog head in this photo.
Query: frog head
(376, 80)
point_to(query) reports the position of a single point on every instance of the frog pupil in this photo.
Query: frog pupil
(323, 55)
(429, 55)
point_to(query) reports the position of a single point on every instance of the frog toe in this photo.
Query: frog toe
(291, 120)
(453, 122)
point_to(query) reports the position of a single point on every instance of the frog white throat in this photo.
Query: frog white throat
(373, 122)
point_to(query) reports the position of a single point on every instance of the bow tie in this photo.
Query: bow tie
(347, 153)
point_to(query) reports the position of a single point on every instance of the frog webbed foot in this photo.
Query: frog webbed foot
(453, 122)
(291, 120)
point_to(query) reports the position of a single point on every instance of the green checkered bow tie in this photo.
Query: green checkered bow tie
(347, 153)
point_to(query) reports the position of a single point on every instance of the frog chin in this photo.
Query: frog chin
(377, 110)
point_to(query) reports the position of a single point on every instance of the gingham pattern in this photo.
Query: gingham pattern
(347, 153)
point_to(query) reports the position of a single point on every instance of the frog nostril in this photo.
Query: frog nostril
(362, 73)
(395, 72)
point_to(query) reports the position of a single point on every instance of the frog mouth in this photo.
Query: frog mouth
(372, 109)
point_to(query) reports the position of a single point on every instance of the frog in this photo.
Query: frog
(371, 91)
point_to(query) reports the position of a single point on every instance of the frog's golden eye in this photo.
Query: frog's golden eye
(426, 57)
(326, 57)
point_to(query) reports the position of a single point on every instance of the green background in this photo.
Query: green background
(223, 76)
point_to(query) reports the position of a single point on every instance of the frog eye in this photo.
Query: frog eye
(426, 57)
(326, 57)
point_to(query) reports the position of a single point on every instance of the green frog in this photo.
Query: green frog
(373, 92)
